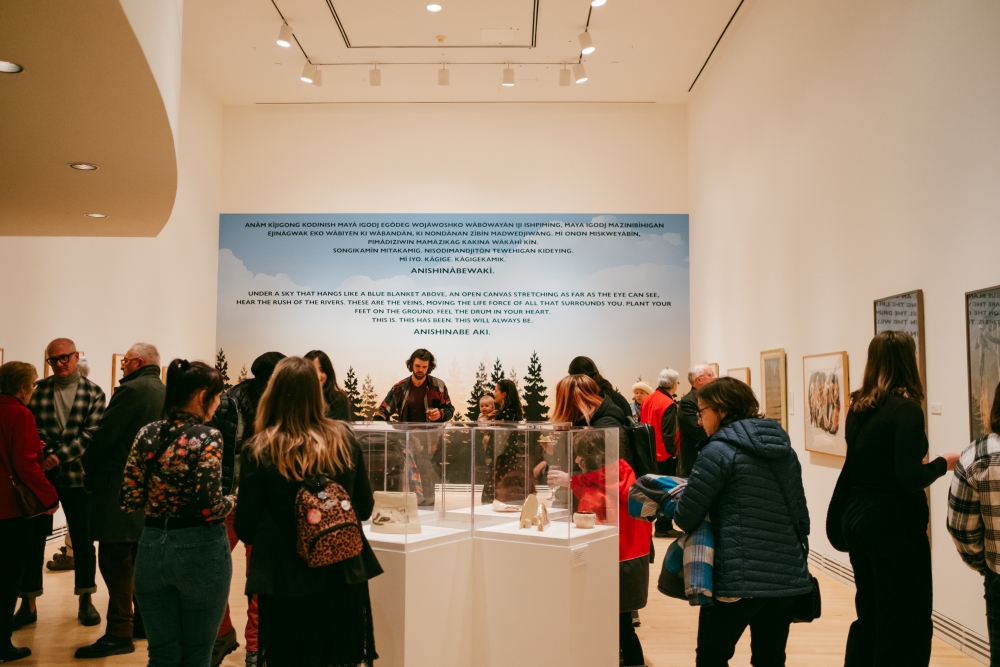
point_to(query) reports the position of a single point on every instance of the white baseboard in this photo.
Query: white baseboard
(968, 641)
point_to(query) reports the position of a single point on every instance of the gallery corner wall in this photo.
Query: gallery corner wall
(108, 293)
(842, 152)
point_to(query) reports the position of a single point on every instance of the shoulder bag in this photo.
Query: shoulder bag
(26, 499)
(808, 606)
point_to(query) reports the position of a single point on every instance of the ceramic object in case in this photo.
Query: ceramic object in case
(395, 512)
(585, 519)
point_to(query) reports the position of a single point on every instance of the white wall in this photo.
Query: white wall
(455, 158)
(108, 293)
(843, 151)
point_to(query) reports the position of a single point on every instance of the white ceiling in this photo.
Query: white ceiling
(647, 50)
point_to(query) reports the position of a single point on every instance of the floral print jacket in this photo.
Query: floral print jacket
(186, 481)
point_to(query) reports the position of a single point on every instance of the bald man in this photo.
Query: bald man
(67, 408)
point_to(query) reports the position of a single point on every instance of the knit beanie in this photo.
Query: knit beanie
(642, 385)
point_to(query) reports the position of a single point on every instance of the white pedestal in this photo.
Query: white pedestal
(542, 599)
(422, 604)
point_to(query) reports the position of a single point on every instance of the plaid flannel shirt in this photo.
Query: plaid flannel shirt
(974, 504)
(70, 443)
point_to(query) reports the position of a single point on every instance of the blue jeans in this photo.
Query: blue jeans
(182, 585)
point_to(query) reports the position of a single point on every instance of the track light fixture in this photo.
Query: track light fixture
(443, 76)
(285, 35)
(586, 43)
(508, 76)
(318, 78)
(597, 3)
(308, 72)
(375, 77)
(579, 74)
(564, 74)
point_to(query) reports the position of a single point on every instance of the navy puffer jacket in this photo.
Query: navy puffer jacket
(757, 553)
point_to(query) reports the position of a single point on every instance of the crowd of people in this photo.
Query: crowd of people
(167, 479)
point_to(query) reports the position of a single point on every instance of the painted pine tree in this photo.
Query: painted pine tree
(369, 399)
(478, 391)
(222, 366)
(535, 409)
(351, 387)
(512, 376)
(497, 373)
(242, 377)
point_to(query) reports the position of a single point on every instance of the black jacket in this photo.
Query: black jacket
(608, 415)
(692, 434)
(265, 518)
(748, 478)
(227, 420)
(137, 401)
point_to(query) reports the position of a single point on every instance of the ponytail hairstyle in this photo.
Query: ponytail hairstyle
(511, 410)
(891, 368)
(184, 380)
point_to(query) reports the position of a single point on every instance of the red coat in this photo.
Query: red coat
(20, 448)
(652, 413)
(591, 492)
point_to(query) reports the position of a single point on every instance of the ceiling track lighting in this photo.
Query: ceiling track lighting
(308, 72)
(586, 43)
(285, 35)
(7, 67)
(375, 77)
(579, 73)
(597, 3)
(443, 76)
(564, 75)
(83, 166)
(318, 78)
(508, 76)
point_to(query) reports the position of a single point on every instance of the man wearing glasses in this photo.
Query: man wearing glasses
(67, 409)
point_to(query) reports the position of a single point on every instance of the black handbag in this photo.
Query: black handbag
(808, 606)
(27, 501)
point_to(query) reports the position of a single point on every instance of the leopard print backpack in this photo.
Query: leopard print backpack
(328, 528)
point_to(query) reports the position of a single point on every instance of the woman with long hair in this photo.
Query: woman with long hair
(879, 513)
(313, 617)
(174, 473)
(586, 366)
(338, 403)
(512, 478)
(508, 403)
(579, 401)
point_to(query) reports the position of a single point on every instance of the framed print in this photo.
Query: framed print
(1, 356)
(46, 371)
(742, 374)
(982, 325)
(825, 385)
(774, 386)
(715, 367)
(116, 371)
(163, 374)
(904, 312)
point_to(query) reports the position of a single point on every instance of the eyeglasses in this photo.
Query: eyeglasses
(61, 359)
(126, 360)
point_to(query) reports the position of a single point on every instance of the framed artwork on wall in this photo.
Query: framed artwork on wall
(46, 371)
(825, 385)
(774, 386)
(904, 312)
(1, 356)
(715, 367)
(742, 374)
(982, 325)
(116, 371)
(163, 374)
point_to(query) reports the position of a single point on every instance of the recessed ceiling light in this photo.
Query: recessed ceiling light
(434, 8)
(95, 215)
(285, 35)
(8, 67)
(586, 43)
(83, 166)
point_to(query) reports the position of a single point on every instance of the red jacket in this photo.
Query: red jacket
(591, 492)
(653, 408)
(20, 448)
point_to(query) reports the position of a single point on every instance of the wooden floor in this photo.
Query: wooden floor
(668, 631)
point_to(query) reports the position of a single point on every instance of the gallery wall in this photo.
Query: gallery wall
(842, 152)
(108, 293)
(470, 159)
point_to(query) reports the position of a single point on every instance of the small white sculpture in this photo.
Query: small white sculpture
(395, 513)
